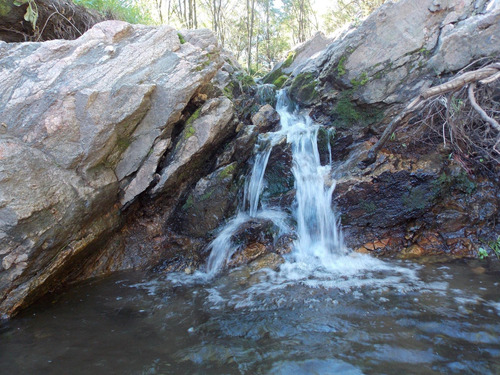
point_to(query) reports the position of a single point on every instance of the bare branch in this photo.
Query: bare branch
(481, 111)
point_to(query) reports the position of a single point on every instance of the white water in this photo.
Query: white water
(318, 232)
(319, 257)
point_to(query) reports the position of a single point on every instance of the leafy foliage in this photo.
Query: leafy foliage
(31, 14)
(125, 10)
(349, 11)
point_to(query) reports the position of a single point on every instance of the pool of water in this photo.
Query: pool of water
(389, 317)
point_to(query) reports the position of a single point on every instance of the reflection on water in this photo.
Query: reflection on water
(387, 318)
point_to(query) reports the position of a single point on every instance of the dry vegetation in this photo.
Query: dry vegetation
(464, 112)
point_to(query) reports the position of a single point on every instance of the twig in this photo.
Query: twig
(479, 110)
(45, 25)
(63, 16)
(485, 73)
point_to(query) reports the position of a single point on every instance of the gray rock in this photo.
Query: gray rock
(402, 47)
(266, 118)
(209, 202)
(82, 122)
(196, 140)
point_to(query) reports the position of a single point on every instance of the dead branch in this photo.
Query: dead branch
(462, 80)
(479, 110)
(486, 74)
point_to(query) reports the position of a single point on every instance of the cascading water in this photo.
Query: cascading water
(222, 247)
(317, 227)
(318, 233)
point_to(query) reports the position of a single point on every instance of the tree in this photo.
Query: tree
(300, 18)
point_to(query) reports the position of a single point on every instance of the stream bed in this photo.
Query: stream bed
(364, 317)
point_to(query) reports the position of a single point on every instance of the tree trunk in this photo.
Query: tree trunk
(250, 20)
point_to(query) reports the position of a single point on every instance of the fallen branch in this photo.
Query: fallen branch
(486, 74)
(479, 110)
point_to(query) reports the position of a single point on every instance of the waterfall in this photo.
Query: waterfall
(318, 231)
(318, 234)
(221, 247)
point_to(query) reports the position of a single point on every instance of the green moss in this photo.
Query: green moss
(341, 66)
(280, 81)
(228, 90)
(188, 204)
(193, 117)
(246, 80)
(122, 143)
(273, 76)
(207, 195)
(227, 172)
(360, 81)
(346, 110)
(189, 132)
(303, 88)
(181, 38)
(202, 66)
(424, 51)
(349, 114)
(446, 183)
(289, 60)
(188, 126)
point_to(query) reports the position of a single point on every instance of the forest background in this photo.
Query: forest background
(257, 32)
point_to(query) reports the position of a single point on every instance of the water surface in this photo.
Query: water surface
(390, 317)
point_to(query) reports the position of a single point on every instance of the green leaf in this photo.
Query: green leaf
(18, 3)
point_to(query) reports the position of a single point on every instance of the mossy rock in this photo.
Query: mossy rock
(347, 113)
(273, 76)
(280, 81)
(289, 60)
(303, 88)
(326, 137)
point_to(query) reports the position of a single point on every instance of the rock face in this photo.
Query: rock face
(125, 148)
(266, 119)
(400, 49)
(88, 125)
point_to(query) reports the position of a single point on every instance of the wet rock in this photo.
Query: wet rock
(248, 254)
(254, 239)
(415, 205)
(284, 244)
(254, 230)
(280, 183)
(266, 119)
(239, 149)
(213, 198)
(271, 261)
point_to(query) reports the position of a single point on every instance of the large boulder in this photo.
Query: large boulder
(400, 49)
(87, 126)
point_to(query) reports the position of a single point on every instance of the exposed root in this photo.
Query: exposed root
(56, 19)
(461, 112)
